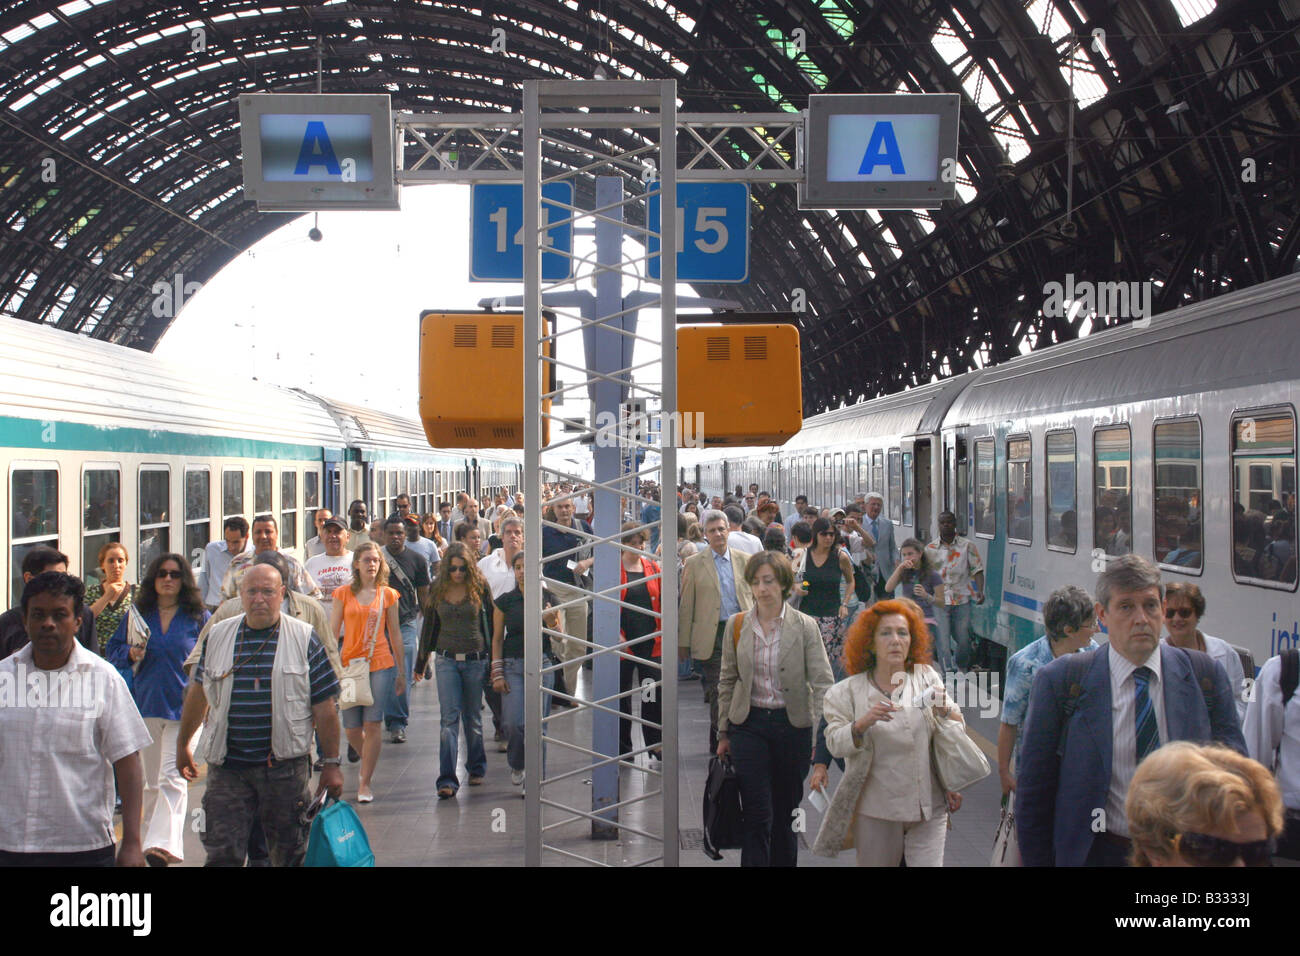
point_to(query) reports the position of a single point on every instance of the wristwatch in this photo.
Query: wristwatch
(331, 761)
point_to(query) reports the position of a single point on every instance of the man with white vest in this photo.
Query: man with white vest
(264, 681)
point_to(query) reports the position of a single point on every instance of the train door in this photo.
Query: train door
(923, 473)
(956, 477)
(332, 500)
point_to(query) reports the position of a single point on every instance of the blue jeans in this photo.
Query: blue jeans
(460, 695)
(401, 710)
(954, 634)
(512, 711)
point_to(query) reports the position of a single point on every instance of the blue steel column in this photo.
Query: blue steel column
(605, 355)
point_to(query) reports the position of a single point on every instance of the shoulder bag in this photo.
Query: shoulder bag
(957, 760)
(354, 687)
(797, 590)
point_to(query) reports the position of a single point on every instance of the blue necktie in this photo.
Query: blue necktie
(1148, 733)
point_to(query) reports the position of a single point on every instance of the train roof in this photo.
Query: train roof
(50, 374)
(1244, 338)
(915, 411)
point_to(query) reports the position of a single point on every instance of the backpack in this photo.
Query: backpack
(1202, 669)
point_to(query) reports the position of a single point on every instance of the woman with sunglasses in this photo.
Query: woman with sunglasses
(455, 632)
(1202, 805)
(366, 612)
(825, 566)
(508, 666)
(170, 604)
(1184, 608)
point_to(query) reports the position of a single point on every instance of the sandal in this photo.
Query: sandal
(365, 795)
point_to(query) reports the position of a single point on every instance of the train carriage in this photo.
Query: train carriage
(1176, 441)
(102, 443)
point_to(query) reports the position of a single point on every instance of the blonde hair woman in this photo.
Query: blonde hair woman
(367, 610)
(1202, 805)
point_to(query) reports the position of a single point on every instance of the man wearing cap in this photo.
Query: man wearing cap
(332, 568)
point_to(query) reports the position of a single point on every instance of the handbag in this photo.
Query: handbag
(338, 838)
(354, 686)
(957, 760)
(1006, 849)
(137, 634)
(797, 589)
(723, 824)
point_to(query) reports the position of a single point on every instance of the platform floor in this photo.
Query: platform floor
(484, 826)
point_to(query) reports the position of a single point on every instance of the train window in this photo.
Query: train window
(850, 477)
(895, 485)
(34, 521)
(311, 489)
(813, 497)
(261, 493)
(198, 513)
(986, 514)
(1020, 490)
(837, 492)
(1264, 498)
(155, 521)
(1112, 456)
(1062, 492)
(907, 487)
(864, 473)
(1177, 448)
(232, 493)
(288, 509)
(101, 510)
(878, 472)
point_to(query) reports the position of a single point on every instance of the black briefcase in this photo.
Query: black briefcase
(723, 825)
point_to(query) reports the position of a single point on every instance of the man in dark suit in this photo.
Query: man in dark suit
(1094, 716)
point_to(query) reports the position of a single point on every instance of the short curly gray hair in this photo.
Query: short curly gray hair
(1070, 606)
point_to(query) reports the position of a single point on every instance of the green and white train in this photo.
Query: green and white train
(103, 443)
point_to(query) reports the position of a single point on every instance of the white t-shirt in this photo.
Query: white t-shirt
(744, 541)
(330, 573)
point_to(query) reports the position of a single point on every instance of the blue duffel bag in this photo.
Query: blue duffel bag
(338, 838)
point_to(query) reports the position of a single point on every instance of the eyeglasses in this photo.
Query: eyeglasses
(1205, 850)
(453, 568)
(1180, 611)
(175, 575)
(825, 532)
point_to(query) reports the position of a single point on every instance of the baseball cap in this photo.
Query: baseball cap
(334, 520)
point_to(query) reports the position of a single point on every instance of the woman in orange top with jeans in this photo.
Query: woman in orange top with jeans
(366, 612)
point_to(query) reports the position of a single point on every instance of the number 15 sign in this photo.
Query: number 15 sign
(713, 231)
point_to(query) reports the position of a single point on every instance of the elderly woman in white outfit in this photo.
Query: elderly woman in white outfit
(890, 803)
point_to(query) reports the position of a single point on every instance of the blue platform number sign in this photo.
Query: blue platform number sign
(712, 235)
(497, 232)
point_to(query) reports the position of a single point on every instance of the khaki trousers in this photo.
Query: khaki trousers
(575, 625)
(886, 842)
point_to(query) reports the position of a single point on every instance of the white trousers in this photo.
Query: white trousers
(886, 842)
(166, 792)
(575, 625)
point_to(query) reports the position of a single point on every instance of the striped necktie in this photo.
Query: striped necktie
(1148, 733)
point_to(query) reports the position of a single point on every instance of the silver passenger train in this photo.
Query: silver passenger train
(103, 443)
(1176, 441)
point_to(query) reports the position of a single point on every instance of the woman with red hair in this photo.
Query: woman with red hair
(881, 720)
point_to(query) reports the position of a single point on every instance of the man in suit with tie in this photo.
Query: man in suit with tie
(886, 550)
(1094, 716)
(713, 589)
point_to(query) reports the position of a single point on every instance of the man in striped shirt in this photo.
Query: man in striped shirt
(258, 742)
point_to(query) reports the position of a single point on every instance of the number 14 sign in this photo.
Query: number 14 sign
(713, 231)
(497, 232)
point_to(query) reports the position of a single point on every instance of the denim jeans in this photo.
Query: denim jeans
(954, 635)
(460, 696)
(771, 759)
(401, 710)
(512, 711)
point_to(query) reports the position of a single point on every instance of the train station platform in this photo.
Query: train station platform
(484, 826)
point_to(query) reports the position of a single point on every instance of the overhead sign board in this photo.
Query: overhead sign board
(880, 151)
(712, 233)
(496, 243)
(310, 151)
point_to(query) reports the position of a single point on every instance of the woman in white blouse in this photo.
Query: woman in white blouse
(774, 675)
(1184, 608)
(889, 803)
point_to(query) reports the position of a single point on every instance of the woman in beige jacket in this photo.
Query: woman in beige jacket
(774, 675)
(881, 719)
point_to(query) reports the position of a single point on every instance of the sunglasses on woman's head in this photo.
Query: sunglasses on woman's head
(1180, 611)
(165, 573)
(1206, 850)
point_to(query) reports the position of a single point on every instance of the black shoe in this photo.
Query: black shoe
(353, 756)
